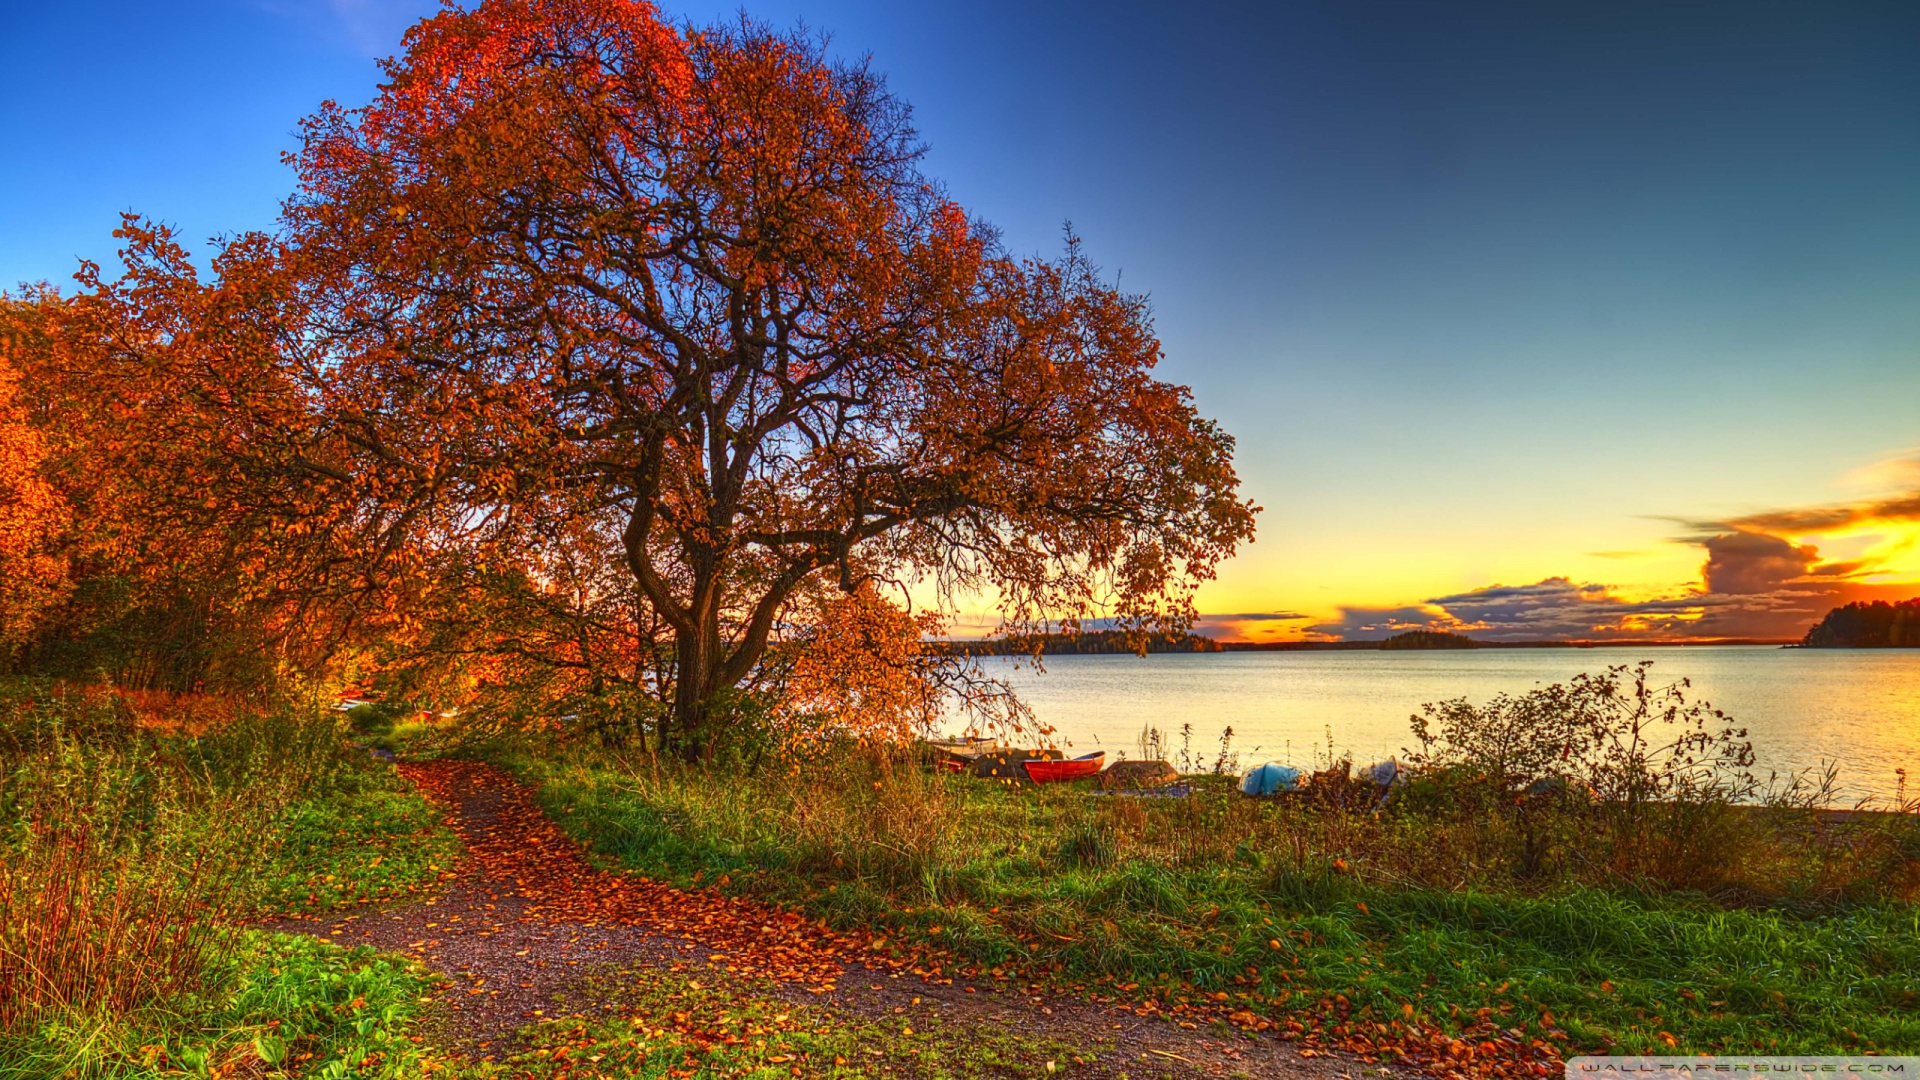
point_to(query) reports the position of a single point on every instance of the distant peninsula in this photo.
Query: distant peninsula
(1868, 625)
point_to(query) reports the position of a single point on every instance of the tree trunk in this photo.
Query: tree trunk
(697, 657)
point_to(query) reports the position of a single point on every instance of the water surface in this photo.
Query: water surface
(1859, 708)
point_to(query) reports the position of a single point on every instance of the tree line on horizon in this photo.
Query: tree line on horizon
(1868, 625)
(595, 358)
(1109, 642)
(1428, 639)
(1086, 643)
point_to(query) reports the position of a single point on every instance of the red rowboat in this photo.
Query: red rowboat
(1048, 772)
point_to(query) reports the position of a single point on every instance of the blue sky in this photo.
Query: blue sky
(1491, 294)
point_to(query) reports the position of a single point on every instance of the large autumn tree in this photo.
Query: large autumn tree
(573, 263)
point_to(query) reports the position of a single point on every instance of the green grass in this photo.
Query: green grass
(381, 842)
(1190, 900)
(307, 1006)
(1323, 918)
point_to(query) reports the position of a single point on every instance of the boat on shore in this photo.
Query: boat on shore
(959, 754)
(1053, 772)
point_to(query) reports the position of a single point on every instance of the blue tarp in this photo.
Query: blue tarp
(1384, 773)
(1270, 779)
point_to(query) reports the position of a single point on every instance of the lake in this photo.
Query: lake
(1859, 708)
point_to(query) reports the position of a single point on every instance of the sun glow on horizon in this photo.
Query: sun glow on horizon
(1763, 575)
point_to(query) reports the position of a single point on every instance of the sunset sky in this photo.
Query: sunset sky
(1532, 320)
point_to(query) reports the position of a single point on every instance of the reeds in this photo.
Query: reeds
(88, 927)
(123, 844)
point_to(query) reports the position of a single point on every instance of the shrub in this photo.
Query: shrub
(374, 719)
(1612, 769)
(1628, 739)
(92, 919)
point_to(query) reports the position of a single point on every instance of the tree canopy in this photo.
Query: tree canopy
(181, 536)
(1867, 624)
(577, 279)
(32, 512)
(603, 353)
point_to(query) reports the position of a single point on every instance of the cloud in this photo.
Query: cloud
(1745, 563)
(1768, 553)
(1553, 609)
(1899, 503)
(1800, 521)
(1900, 472)
(1560, 609)
(1363, 623)
(1246, 625)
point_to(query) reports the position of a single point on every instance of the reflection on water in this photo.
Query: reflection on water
(1860, 708)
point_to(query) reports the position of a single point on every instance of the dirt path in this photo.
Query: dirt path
(526, 919)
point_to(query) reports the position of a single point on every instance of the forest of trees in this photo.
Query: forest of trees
(1868, 625)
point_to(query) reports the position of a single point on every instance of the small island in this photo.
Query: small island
(1868, 625)
(1429, 639)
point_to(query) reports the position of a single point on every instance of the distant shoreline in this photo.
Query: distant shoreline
(1111, 645)
(1376, 646)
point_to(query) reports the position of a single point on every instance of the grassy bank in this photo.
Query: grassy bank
(138, 836)
(135, 839)
(1312, 916)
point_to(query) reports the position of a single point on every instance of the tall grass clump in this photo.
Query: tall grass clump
(101, 914)
(129, 846)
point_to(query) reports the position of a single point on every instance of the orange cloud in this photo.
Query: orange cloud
(1899, 508)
